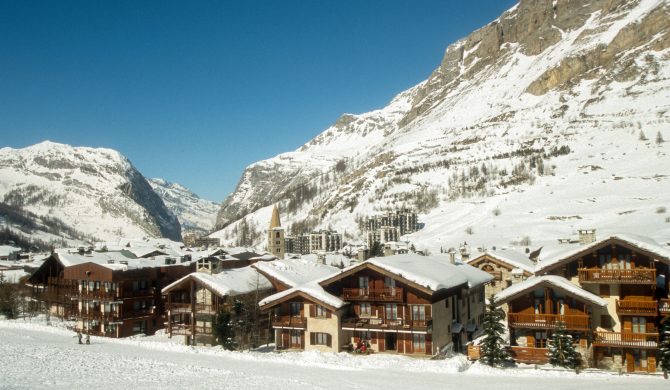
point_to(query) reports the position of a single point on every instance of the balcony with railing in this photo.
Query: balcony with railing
(178, 307)
(618, 276)
(619, 339)
(637, 307)
(388, 294)
(187, 330)
(364, 323)
(549, 321)
(664, 307)
(289, 322)
(147, 292)
(99, 315)
(138, 313)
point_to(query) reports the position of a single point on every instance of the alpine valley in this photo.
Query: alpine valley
(551, 118)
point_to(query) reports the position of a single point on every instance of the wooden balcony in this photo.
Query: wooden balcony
(98, 315)
(618, 276)
(637, 307)
(149, 292)
(358, 323)
(140, 313)
(529, 355)
(549, 321)
(664, 307)
(187, 330)
(619, 339)
(289, 322)
(388, 294)
(178, 307)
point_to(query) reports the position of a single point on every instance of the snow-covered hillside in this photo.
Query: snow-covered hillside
(95, 192)
(194, 213)
(553, 117)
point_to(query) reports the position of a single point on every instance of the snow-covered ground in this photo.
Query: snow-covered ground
(38, 356)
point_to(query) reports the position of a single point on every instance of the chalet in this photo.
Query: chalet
(507, 267)
(193, 301)
(108, 294)
(611, 294)
(8, 252)
(406, 304)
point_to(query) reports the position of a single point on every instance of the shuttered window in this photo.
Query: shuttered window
(319, 338)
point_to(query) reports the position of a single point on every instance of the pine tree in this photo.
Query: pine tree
(9, 299)
(493, 350)
(664, 348)
(642, 136)
(224, 330)
(562, 351)
(659, 138)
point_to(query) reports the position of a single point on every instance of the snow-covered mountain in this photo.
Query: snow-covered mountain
(96, 192)
(194, 213)
(541, 122)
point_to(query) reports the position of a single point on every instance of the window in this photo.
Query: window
(446, 302)
(363, 335)
(418, 312)
(321, 311)
(639, 325)
(296, 337)
(605, 321)
(363, 285)
(389, 285)
(136, 305)
(140, 327)
(605, 290)
(295, 308)
(110, 328)
(391, 311)
(419, 342)
(366, 310)
(321, 338)
(481, 295)
(277, 234)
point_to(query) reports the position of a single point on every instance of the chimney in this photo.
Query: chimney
(465, 252)
(587, 236)
(452, 255)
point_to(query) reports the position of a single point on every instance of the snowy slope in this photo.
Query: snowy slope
(194, 213)
(97, 192)
(49, 357)
(540, 123)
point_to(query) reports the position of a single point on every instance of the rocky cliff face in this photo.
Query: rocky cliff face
(539, 93)
(97, 192)
(194, 213)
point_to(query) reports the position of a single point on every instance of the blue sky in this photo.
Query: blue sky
(195, 91)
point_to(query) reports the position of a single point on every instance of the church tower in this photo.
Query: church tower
(276, 242)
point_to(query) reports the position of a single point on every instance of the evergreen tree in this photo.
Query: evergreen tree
(659, 138)
(493, 350)
(562, 351)
(9, 298)
(224, 330)
(664, 348)
(642, 136)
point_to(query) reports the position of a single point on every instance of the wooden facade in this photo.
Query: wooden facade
(623, 334)
(106, 301)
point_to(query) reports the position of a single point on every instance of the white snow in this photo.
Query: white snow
(228, 282)
(557, 282)
(36, 356)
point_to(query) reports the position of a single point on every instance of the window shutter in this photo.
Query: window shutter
(328, 315)
(329, 340)
(312, 338)
(312, 311)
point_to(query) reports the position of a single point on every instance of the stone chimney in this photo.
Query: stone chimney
(452, 255)
(586, 236)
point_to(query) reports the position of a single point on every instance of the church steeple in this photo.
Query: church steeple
(275, 222)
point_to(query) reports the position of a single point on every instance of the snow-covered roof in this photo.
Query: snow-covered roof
(294, 272)
(112, 260)
(509, 256)
(6, 250)
(142, 251)
(560, 253)
(312, 289)
(229, 282)
(432, 272)
(557, 282)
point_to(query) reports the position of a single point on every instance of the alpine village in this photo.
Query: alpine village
(509, 211)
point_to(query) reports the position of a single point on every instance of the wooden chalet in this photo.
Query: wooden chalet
(406, 304)
(193, 301)
(107, 294)
(506, 266)
(628, 273)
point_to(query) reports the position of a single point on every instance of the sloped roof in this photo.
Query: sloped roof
(642, 243)
(294, 272)
(556, 282)
(229, 282)
(514, 258)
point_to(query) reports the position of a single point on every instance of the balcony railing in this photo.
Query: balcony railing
(637, 307)
(289, 322)
(187, 330)
(664, 306)
(140, 313)
(99, 294)
(381, 323)
(148, 292)
(98, 315)
(529, 355)
(549, 321)
(388, 294)
(176, 308)
(619, 339)
(618, 276)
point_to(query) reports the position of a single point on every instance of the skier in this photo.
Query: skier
(88, 339)
(79, 337)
